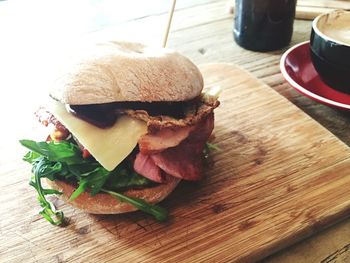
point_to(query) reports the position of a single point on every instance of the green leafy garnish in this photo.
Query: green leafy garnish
(44, 168)
(209, 148)
(55, 151)
(64, 161)
(93, 180)
(212, 147)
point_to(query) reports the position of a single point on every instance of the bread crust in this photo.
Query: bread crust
(103, 203)
(125, 71)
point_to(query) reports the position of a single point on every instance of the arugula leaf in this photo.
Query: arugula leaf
(47, 169)
(81, 189)
(212, 147)
(56, 151)
(45, 191)
(157, 211)
(93, 180)
(208, 148)
(30, 157)
(96, 179)
(83, 170)
(40, 168)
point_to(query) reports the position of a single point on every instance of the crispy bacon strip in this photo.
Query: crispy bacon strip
(192, 116)
(163, 139)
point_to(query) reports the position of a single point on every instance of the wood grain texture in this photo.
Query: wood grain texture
(278, 177)
(309, 9)
(332, 4)
(202, 30)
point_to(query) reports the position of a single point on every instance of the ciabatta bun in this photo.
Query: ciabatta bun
(103, 203)
(124, 71)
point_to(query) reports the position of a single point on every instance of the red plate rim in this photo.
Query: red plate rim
(301, 89)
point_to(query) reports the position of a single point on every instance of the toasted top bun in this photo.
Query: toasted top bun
(124, 71)
(103, 203)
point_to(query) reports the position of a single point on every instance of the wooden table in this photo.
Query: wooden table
(201, 30)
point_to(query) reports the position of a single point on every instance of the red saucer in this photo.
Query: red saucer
(297, 68)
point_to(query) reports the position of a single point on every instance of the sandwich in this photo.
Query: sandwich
(126, 123)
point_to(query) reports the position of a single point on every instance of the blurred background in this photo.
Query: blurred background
(34, 35)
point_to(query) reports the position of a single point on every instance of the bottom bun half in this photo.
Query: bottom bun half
(104, 203)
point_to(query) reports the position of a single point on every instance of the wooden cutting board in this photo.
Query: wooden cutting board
(309, 9)
(279, 177)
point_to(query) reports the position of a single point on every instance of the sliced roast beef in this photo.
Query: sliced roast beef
(179, 162)
(145, 166)
(200, 135)
(183, 161)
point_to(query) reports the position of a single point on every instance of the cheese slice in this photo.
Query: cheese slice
(109, 146)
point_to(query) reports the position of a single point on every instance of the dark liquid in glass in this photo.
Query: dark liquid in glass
(264, 25)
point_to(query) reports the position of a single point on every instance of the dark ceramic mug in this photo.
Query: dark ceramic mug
(330, 48)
